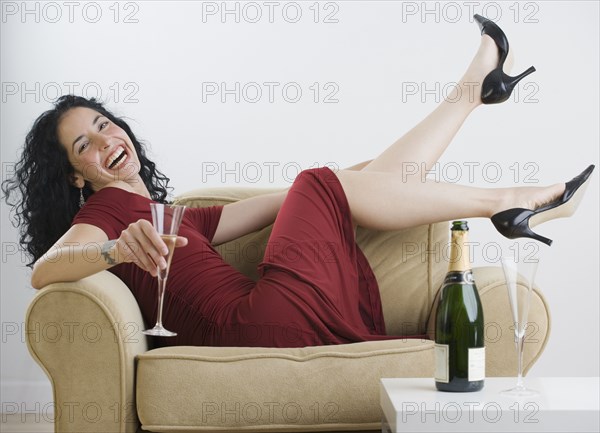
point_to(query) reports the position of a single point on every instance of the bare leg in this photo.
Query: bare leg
(423, 145)
(381, 198)
(383, 201)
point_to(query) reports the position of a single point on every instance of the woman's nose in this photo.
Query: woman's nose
(104, 142)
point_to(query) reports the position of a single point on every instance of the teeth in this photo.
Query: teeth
(121, 161)
(114, 156)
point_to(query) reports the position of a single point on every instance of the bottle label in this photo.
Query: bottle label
(476, 364)
(442, 363)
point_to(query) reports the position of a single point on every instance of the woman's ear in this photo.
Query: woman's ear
(77, 181)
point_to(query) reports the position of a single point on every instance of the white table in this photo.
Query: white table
(565, 404)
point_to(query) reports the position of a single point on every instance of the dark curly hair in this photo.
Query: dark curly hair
(42, 176)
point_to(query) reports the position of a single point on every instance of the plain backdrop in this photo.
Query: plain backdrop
(249, 93)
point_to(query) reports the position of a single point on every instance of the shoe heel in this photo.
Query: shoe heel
(511, 82)
(528, 233)
(497, 86)
(514, 224)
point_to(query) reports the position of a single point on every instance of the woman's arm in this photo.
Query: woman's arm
(77, 254)
(85, 250)
(248, 215)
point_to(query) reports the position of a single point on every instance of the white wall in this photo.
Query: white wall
(377, 61)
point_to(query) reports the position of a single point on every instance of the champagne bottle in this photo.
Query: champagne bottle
(459, 339)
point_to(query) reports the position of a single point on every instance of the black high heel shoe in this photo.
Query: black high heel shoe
(497, 86)
(518, 222)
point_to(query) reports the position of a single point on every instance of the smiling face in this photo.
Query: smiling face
(99, 150)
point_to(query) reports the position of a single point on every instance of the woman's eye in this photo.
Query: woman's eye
(103, 124)
(82, 147)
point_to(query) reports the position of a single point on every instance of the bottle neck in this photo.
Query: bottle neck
(454, 277)
(459, 253)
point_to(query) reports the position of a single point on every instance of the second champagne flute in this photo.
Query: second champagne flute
(519, 273)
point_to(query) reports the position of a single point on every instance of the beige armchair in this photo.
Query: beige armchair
(86, 335)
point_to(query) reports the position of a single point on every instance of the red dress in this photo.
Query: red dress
(316, 287)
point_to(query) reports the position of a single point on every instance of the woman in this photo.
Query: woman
(85, 181)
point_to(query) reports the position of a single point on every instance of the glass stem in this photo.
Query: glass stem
(520, 341)
(162, 282)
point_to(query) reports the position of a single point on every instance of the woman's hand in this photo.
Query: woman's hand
(141, 244)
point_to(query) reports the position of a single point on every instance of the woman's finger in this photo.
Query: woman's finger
(154, 237)
(138, 256)
(147, 246)
(141, 250)
(151, 251)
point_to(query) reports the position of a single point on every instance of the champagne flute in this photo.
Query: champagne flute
(166, 220)
(519, 275)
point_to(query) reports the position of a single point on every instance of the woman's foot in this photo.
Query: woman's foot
(490, 57)
(485, 61)
(513, 217)
(527, 197)
(497, 85)
(486, 80)
(533, 206)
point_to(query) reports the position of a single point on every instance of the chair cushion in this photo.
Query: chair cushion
(262, 389)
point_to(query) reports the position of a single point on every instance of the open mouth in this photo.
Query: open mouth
(116, 159)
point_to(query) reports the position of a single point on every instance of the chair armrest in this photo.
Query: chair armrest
(501, 355)
(85, 335)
